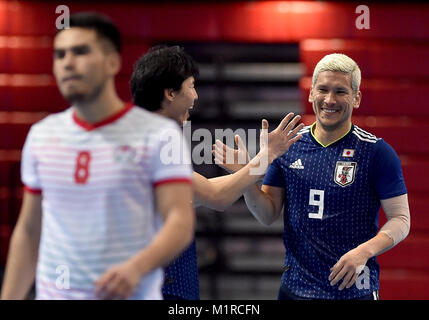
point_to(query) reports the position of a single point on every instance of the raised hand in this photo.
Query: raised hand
(228, 158)
(278, 141)
(272, 145)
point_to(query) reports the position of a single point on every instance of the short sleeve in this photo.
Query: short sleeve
(29, 174)
(171, 159)
(274, 176)
(387, 171)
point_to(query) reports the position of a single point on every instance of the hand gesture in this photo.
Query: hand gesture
(278, 141)
(118, 282)
(348, 268)
(228, 158)
(272, 145)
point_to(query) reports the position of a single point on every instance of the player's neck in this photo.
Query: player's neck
(107, 104)
(326, 136)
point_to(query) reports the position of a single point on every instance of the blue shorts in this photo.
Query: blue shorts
(286, 294)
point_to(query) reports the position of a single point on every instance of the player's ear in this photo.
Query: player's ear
(114, 63)
(357, 98)
(310, 96)
(169, 94)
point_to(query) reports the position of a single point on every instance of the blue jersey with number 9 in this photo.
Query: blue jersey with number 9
(332, 199)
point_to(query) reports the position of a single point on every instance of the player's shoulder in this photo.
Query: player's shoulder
(305, 130)
(152, 120)
(380, 146)
(365, 136)
(52, 121)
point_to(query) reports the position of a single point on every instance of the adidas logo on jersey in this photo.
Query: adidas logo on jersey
(297, 165)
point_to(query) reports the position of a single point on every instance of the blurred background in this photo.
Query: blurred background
(256, 59)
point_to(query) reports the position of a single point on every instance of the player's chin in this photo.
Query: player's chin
(74, 96)
(328, 123)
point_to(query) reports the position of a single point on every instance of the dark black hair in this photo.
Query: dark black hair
(161, 68)
(102, 25)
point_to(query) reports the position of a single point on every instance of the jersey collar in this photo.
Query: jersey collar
(91, 126)
(329, 144)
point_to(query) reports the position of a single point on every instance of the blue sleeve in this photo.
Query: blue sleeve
(274, 176)
(388, 178)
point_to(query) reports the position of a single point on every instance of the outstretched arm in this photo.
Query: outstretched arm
(393, 231)
(219, 193)
(265, 203)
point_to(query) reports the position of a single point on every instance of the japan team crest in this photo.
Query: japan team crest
(345, 173)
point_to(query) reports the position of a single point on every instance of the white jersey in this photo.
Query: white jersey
(97, 184)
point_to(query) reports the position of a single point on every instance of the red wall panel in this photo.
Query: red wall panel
(267, 21)
(407, 254)
(404, 284)
(383, 97)
(33, 55)
(400, 59)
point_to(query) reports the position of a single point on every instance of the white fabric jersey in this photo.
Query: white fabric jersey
(97, 184)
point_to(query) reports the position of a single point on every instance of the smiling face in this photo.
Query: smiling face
(333, 101)
(81, 65)
(181, 101)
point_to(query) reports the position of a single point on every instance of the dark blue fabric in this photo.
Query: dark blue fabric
(181, 276)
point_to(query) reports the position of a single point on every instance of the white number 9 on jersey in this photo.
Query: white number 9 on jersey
(316, 202)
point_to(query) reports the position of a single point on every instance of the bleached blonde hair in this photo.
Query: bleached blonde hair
(338, 62)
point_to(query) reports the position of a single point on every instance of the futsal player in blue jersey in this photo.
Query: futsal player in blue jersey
(163, 81)
(331, 184)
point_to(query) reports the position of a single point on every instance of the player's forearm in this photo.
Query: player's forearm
(376, 245)
(175, 235)
(394, 230)
(260, 205)
(21, 265)
(228, 189)
(398, 222)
